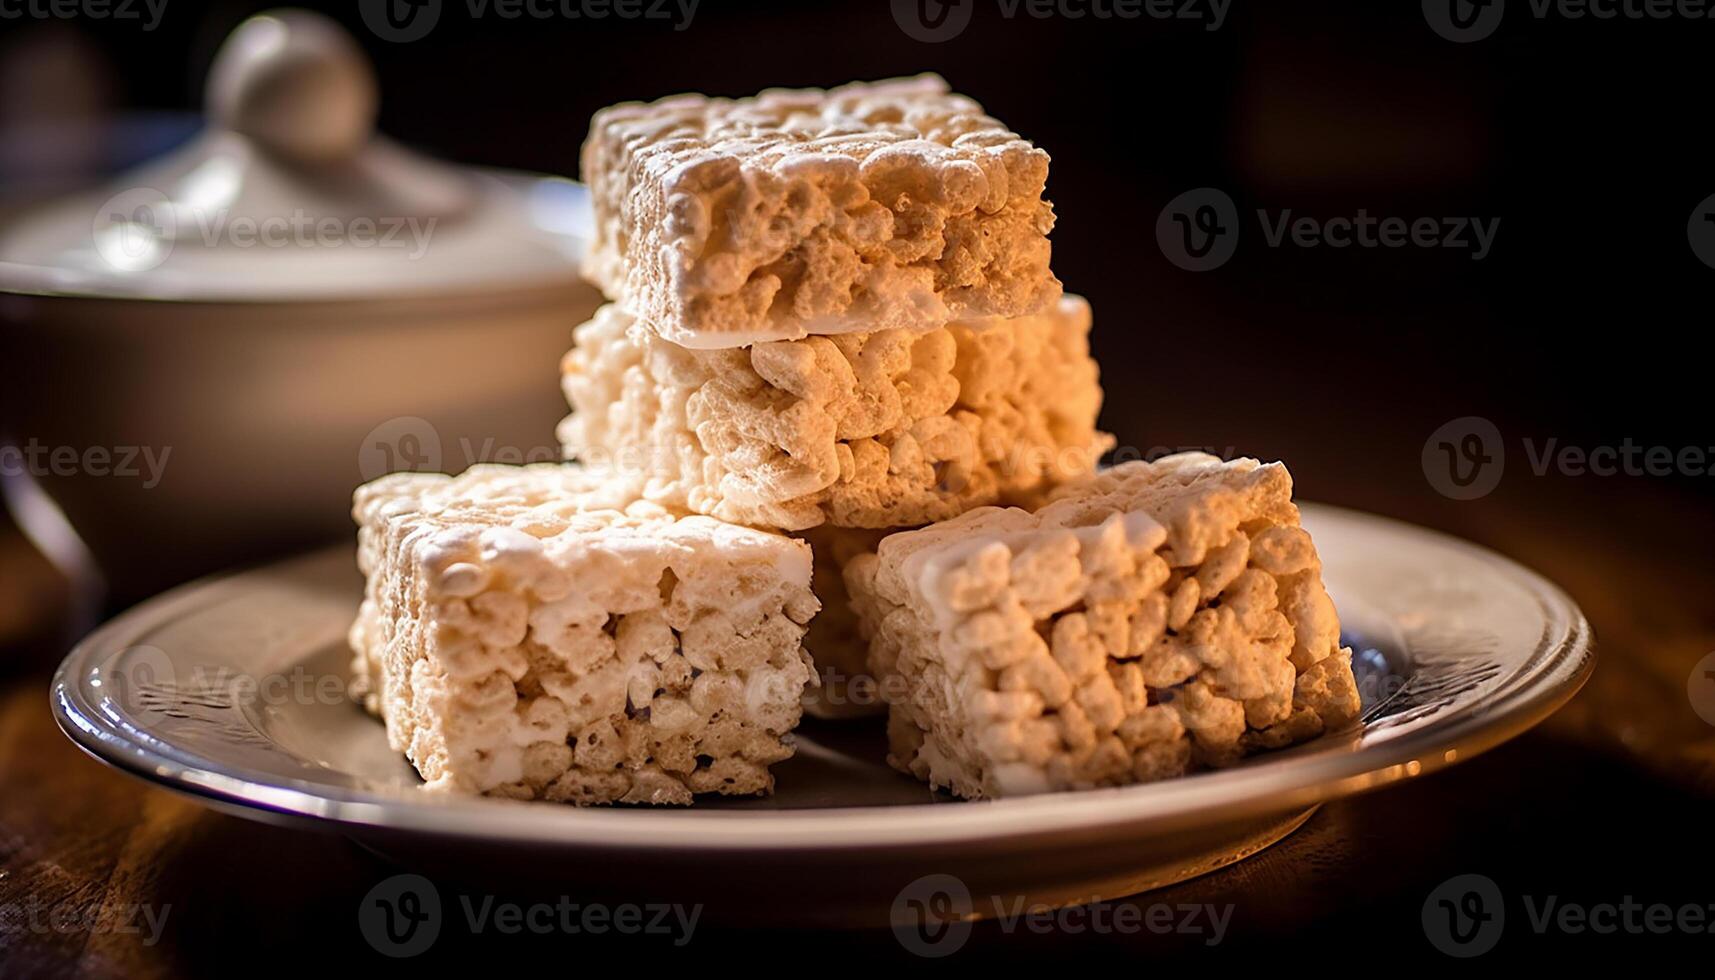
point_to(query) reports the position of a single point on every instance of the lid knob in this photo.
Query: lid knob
(296, 84)
(289, 194)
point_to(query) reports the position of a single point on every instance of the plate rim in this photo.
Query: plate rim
(1567, 660)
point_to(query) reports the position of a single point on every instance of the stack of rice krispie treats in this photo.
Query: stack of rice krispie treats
(833, 314)
(833, 447)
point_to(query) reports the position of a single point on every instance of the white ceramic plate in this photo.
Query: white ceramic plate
(231, 690)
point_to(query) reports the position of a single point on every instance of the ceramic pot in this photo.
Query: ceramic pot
(203, 359)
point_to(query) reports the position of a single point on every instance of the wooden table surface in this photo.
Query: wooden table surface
(101, 875)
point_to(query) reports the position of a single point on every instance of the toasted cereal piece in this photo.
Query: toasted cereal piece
(892, 205)
(1153, 618)
(526, 634)
(871, 430)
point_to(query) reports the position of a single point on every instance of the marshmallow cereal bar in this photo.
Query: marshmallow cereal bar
(1151, 619)
(875, 430)
(873, 206)
(526, 634)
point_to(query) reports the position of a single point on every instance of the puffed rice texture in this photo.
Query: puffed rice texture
(528, 633)
(872, 206)
(865, 430)
(1152, 619)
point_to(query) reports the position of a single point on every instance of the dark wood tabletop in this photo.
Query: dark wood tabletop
(1607, 802)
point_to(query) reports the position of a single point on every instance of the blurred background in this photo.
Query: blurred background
(1573, 134)
(1574, 140)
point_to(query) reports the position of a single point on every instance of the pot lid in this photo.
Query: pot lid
(288, 194)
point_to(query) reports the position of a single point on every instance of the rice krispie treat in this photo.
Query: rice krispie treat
(523, 636)
(873, 206)
(875, 430)
(1151, 619)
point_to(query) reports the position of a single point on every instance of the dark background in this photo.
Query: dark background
(1587, 323)
(1584, 137)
